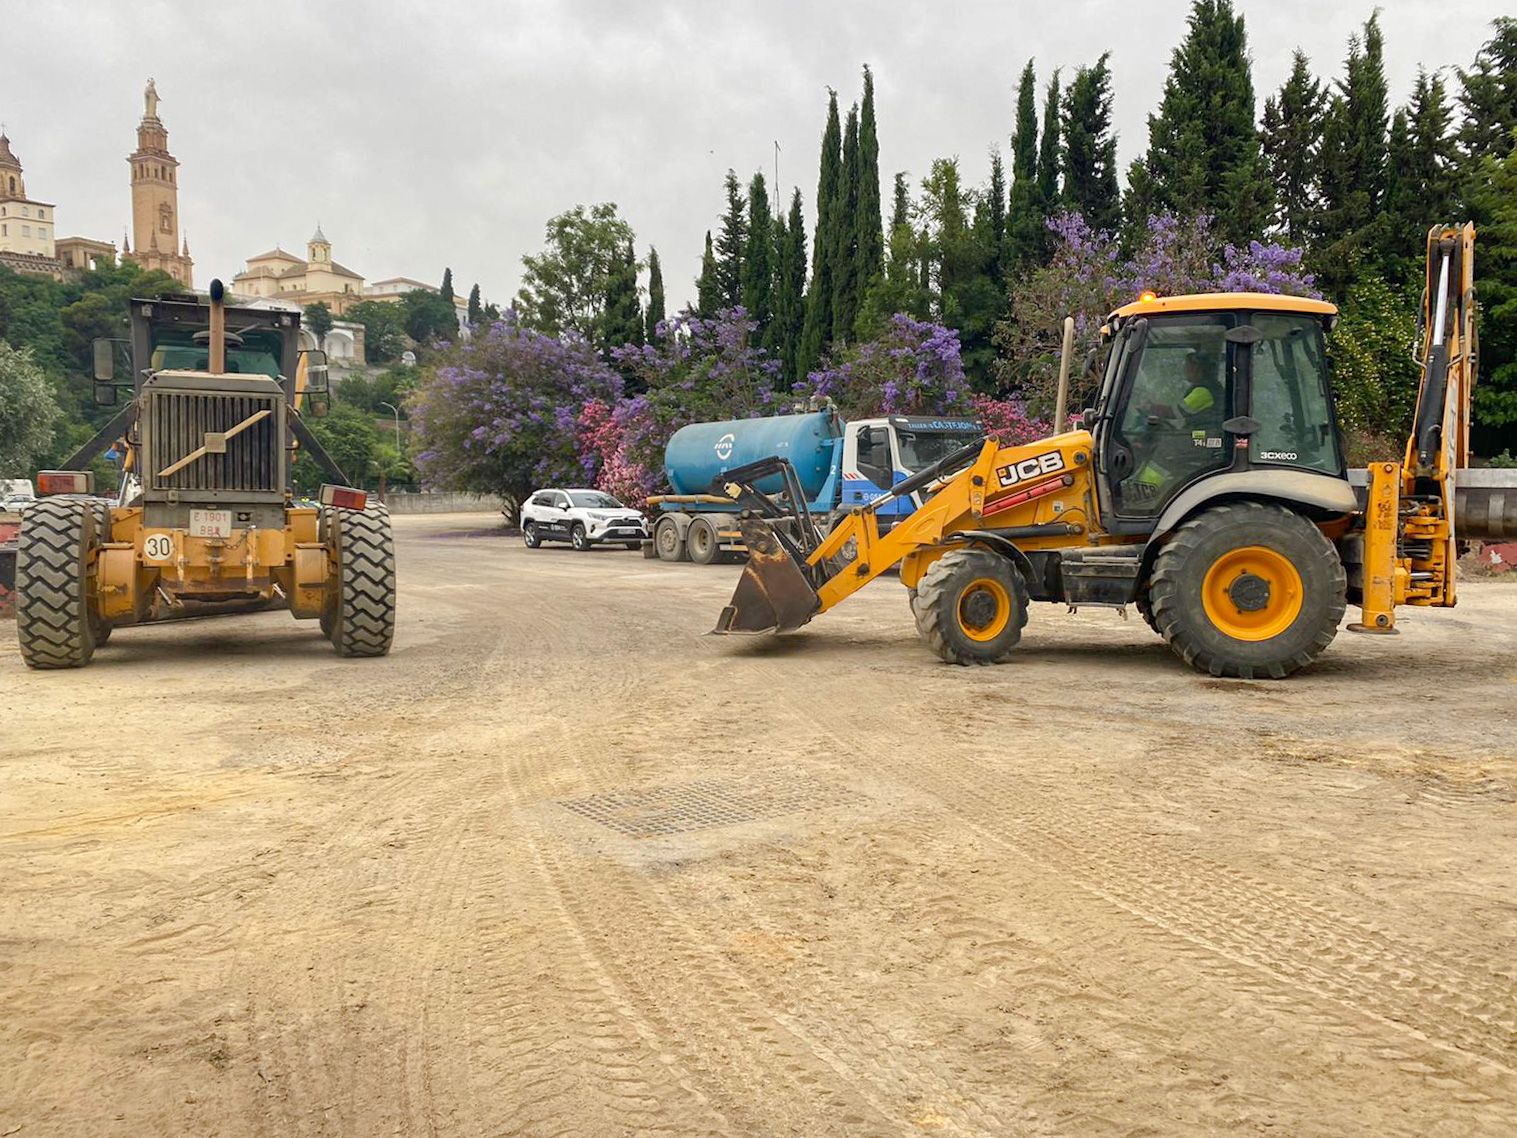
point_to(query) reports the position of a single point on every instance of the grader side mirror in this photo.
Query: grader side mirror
(312, 382)
(105, 361)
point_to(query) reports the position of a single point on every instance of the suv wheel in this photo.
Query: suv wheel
(529, 535)
(579, 538)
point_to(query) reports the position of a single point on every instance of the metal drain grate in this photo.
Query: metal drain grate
(705, 803)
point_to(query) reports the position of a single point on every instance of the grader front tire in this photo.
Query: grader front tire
(971, 607)
(1248, 590)
(54, 621)
(361, 619)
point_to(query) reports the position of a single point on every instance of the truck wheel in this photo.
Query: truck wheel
(669, 542)
(971, 606)
(54, 624)
(362, 612)
(579, 538)
(702, 543)
(529, 535)
(1248, 590)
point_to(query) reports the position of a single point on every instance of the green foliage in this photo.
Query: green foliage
(623, 322)
(1495, 210)
(1203, 149)
(1353, 164)
(1090, 148)
(963, 292)
(655, 313)
(817, 333)
(446, 291)
(384, 326)
(564, 287)
(1025, 215)
(790, 289)
(1291, 141)
(1371, 349)
(731, 245)
(350, 437)
(845, 282)
(28, 413)
(759, 259)
(428, 318)
(1489, 96)
(370, 393)
(1048, 158)
(476, 311)
(318, 321)
(708, 289)
(868, 241)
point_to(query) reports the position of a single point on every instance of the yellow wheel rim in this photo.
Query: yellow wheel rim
(984, 609)
(1252, 593)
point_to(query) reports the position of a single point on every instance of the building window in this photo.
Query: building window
(13, 185)
(26, 231)
(165, 219)
(5, 230)
(25, 212)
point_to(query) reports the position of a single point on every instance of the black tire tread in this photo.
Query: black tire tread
(363, 620)
(1174, 563)
(53, 622)
(929, 604)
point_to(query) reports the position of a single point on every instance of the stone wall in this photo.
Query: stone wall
(443, 503)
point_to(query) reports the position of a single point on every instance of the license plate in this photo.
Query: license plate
(210, 523)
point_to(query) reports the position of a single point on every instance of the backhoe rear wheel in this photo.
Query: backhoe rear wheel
(54, 622)
(971, 606)
(360, 619)
(1248, 590)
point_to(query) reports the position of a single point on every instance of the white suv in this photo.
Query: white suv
(582, 518)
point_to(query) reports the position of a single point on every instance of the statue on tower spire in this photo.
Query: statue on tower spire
(150, 99)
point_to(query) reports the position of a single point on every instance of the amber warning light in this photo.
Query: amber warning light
(1148, 294)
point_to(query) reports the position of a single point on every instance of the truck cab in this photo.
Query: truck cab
(879, 453)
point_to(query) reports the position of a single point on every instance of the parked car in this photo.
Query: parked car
(583, 518)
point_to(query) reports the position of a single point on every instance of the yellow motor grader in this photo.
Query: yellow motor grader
(1206, 487)
(204, 522)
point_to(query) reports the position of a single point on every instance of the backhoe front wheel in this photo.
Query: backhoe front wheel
(971, 606)
(360, 616)
(1248, 590)
(55, 619)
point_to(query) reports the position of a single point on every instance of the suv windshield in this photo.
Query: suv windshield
(920, 449)
(594, 500)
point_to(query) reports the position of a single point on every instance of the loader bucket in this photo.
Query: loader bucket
(773, 594)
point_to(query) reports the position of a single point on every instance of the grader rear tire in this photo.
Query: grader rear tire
(54, 624)
(1248, 590)
(361, 618)
(971, 607)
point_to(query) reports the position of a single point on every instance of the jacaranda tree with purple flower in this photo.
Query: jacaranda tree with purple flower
(500, 414)
(1088, 277)
(912, 367)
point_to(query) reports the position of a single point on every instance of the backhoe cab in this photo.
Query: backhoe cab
(1207, 488)
(204, 521)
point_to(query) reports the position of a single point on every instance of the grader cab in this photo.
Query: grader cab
(204, 520)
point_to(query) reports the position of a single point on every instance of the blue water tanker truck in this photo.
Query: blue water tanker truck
(839, 465)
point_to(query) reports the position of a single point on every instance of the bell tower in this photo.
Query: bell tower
(155, 197)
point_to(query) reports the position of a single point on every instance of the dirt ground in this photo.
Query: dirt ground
(562, 865)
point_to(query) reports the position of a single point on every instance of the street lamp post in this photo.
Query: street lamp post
(400, 450)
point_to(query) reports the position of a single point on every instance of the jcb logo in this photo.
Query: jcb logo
(1030, 468)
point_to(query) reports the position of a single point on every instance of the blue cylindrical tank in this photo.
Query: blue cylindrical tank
(698, 453)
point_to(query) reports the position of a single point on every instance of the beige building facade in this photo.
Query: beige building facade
(155, 199)
(27, 226)
(314, 279)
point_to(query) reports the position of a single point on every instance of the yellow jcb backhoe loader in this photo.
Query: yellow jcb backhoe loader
(1207, 488)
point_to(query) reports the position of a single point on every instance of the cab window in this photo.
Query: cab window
(1290, 399)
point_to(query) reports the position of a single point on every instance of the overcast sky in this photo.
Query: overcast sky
(425, 134)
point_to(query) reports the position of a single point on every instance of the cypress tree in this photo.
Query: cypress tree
(708, 289)
(476, 313)
(1024, 217)
(1434, 154)
(1489, 96)
(1048, 159)
(622, 322)
(790, 290)
(1090, 148)
(869, 239)
(732, 244)
(1291, 144)
(819, 311)
(447, 285)
(994, 204)
(758, 259)
(1353, 165)
(900, 205)
(845, 279)
(1203, 148)
(655, 314)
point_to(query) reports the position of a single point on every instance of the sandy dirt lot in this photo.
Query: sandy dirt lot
(562, 865)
